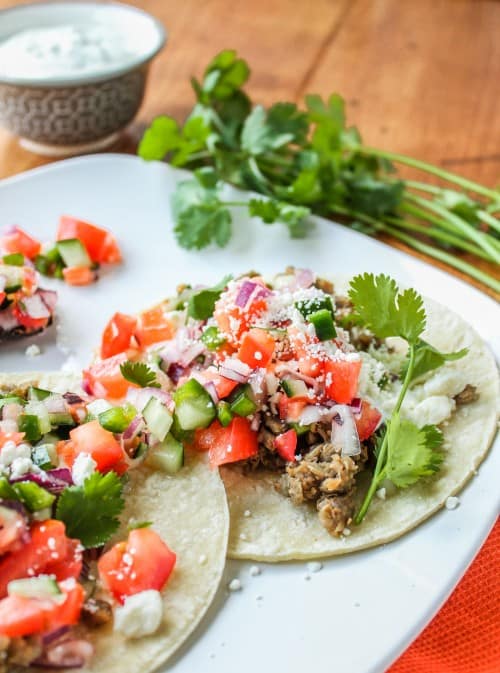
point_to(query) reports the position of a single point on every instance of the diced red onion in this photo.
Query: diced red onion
(71, 653)
(55, 635)
(49, 298)
(191, 353)
(11, 412)
(231, 374)
(8, 321)
(255, 423)
(258, 385)
(304, 278)
(287, 370)
(344, 433)
(356, 405)
(73, 398)
(234, 369)
(176, 372)
(212, 391)
(3, 283)
(8, 425)
(139, 397)
(313, 414)
(245, 292)
(272, 383)
(35, 307)
(14, 531)
(135, 428)
(54, 481)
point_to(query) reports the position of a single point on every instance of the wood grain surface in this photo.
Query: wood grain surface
(420, 77)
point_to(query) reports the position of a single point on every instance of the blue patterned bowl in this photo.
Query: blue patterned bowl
(84, 113)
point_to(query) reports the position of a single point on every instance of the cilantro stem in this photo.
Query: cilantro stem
(442, 256)
(433, 170)
(488, 219)
(378, 473)
(464, 227)
(439, 235)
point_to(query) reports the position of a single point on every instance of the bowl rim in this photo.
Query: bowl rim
(82, 80)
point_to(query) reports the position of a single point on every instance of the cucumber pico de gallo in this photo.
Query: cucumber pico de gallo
(261, 376)
(63, 465)
(25, 308)
(76, 255)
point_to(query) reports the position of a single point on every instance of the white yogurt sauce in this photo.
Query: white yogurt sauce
(69, 50)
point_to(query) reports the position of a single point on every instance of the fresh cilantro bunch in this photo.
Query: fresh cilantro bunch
(405, 452)
(307, 161)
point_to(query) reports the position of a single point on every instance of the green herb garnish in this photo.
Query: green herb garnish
(139, 373)
(202, 303)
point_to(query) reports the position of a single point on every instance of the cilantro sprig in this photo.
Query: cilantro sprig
(139, 373)
(90, 512)
(306, 161)
(405, 453)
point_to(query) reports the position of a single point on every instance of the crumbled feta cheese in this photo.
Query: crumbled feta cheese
(202, 559)
(247, 513)
(234, 585)
(452, 502)
(83, 467)
(243, 536)
(314, 566)
(140, 615)
(346, 531)
(257, 355)
(254, 571)
(20, 466)
(432, 411)
(32, 351)
(381, 493)
(10, 452)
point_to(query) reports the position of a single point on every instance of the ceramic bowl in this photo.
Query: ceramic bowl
(64, 115)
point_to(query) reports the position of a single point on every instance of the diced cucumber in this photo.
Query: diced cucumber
(194, 408)
(29, 424)
(308, 306)
(38, 394)
(158, 418)
(73, 252)
(6, 490)
(11, 400)
(45, 456)
(168, 456)
(323, 324)
(14, 276)
(241, 401)
(98, 407)
(63, 418)
(39, 410)
(51, 438)
(33, 496)
(43, 586)
(224, 413)
(117, 419)
(14, 259)
(294, 387)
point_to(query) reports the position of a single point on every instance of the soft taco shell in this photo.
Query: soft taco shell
(274, 529)
(189, 511)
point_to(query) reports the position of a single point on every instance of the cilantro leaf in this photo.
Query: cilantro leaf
(90, 511)
(373, 196)
(164, 137)
(224, 75)
(411, 451)
(202, 303)
(201, 218)
(385, 310)
(428, 358)
(139, 373)
(273, 211)
(280, 125)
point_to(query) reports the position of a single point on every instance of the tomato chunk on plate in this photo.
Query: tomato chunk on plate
(79, 275)
(18, 240)
(117, 334)
(99, 243)
(367, 421)
(286, 444)
(104, 378)
(143, 562)
(257, 348)
(153, 326)
(235, 442)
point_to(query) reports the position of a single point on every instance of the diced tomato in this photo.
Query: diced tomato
(153, 326)
(79, 275)
(21, 616)
(70, 566)
(286, 444)
(257, 348)
(226, 445)
(308, 364)
(2, 297)
(16, 437)
(99, 443)
(290, 408)
(142, 562)
(233, 320)
(341, 380)
(100, 244)
(18, 240)
(26, 320)
(117, 335)
(104, 378)
(223, 385)
(367, 421)
(36, 554)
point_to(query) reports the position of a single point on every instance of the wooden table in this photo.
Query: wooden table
(420, 77)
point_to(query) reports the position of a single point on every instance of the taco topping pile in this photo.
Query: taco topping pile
(288, 377)
(63, 465)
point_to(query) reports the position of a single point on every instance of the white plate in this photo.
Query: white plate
(360, 612)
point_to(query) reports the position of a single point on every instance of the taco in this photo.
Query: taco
(341, 418)
(112, 539)
(25, 308)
